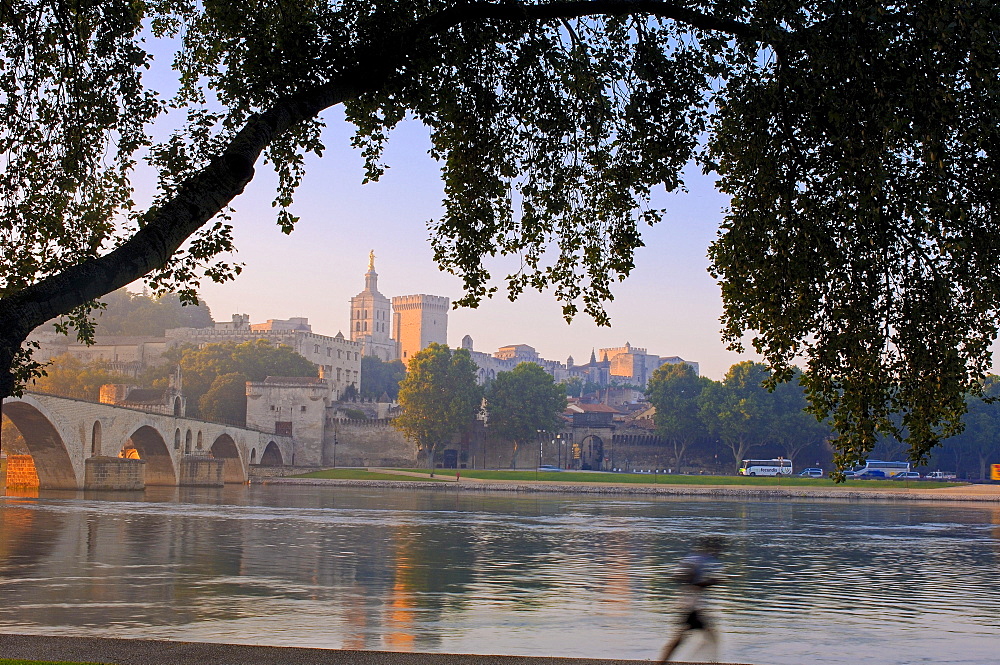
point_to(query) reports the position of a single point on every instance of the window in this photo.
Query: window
(315, 348)
(329, 352)
(272, 407)
(302, 408)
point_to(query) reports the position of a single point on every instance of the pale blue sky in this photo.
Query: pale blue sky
(670, 305)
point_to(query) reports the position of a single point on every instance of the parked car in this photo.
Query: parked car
(549, 467)
(907, 475)
(941, 475)
(853, 475)
(811, 473)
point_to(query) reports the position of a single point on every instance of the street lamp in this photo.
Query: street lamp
(541, 442)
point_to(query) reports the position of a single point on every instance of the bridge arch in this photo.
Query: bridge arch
(271, 455)
(152, 449)
(53, 463)
(224, 448)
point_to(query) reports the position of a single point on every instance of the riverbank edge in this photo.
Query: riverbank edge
(731, 491)
(118, 651)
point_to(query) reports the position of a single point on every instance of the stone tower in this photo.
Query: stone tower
(418, 321)
(371, 319)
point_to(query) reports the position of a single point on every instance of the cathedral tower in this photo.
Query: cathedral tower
(370, 318)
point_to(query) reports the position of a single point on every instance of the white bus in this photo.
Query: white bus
(874, 468)
(766, 467)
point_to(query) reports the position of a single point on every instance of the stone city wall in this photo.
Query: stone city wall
(257, 471)
(367, 443)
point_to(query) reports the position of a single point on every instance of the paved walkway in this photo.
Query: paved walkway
(159, 652)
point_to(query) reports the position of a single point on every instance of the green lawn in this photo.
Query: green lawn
(675, 479)
(361, 474)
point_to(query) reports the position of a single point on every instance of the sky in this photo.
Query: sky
(669, 305)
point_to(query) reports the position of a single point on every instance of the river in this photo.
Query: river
(541, 574)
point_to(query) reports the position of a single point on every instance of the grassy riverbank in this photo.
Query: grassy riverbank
(363, 474)
(528, 475)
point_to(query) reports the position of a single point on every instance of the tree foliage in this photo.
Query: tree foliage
(675, 391)
(380, 378)
(209, 374)
(68, 376)
(978, 446)
(857, 141)
(738, 410)
(225, 401)
(523, 401)
(127, 313)
(439, 397)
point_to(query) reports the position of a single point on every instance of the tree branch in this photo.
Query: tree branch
(209, 191)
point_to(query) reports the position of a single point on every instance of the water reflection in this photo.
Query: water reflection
(453, 572)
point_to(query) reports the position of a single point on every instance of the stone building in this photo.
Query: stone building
(128, 355)
(634, 365)
(294, 407)
(417, 322)
(305, 410)
(626, 364)
(338, 359)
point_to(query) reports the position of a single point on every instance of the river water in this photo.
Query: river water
(460, 572)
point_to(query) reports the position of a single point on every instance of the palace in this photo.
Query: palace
(396, 329)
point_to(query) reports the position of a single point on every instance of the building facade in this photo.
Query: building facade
(338, 359)
(620, 365)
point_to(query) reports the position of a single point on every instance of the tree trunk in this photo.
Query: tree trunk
(680, 447)
(739, 447)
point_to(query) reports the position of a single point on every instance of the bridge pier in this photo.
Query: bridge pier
(21, 472)
(114, 473)
(201, 471)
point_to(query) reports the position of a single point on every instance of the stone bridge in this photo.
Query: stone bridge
(76, 444)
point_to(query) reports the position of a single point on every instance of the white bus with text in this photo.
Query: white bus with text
(874, 468)
(766, 467)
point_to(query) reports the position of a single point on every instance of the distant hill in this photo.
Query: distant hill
(140, 315)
